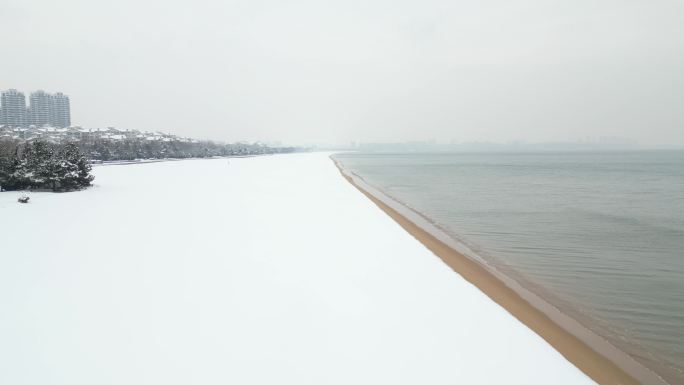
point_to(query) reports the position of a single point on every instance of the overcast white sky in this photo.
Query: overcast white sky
(364, 70)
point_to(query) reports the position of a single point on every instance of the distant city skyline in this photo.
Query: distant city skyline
(44, 109)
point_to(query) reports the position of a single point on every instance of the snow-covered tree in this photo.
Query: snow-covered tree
(11, 173)
(72, 168)
(37, 164)
(44, 165)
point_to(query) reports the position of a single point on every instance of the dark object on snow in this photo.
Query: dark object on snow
(23, 199)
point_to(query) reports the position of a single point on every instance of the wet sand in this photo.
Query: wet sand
(593, 355)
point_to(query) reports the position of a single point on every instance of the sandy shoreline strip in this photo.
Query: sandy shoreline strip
(593, 355)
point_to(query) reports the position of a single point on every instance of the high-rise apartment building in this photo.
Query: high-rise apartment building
(45, 109)
(13, 105)
(60, 110)
(40, 108)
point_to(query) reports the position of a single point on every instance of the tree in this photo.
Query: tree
(44, 165)
(73, 169)
(7, 166)
(5, 170)
(37, 165)
(14, 177)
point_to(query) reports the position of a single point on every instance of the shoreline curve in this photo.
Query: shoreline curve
(592, 354)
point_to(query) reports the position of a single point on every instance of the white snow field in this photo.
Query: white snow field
(266, 270)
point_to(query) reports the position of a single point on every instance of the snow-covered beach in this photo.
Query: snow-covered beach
(252, 271)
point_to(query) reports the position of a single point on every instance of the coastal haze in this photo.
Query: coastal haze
(333, 72)
(342, 192)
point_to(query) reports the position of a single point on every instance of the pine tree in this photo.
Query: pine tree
(38, 164)
(15, 177)
(60, 170)
(85, 178)
(5, 171)
(74, 169)
(25, 165)
(5, 163)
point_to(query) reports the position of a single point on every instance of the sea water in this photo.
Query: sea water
(598, 234)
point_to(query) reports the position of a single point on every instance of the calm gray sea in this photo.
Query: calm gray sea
(600, 235)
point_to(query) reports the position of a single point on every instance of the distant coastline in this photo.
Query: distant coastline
(145, 161)
(592, 354)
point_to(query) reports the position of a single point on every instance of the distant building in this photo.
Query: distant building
(40, 110)
(60, 110)
(45, 109)
(13, 109)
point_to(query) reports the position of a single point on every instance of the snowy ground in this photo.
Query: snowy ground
(268, 270)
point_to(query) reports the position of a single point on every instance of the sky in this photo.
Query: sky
(358, 70)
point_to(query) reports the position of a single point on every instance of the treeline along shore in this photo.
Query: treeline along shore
(64, 164)
(132, 149)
